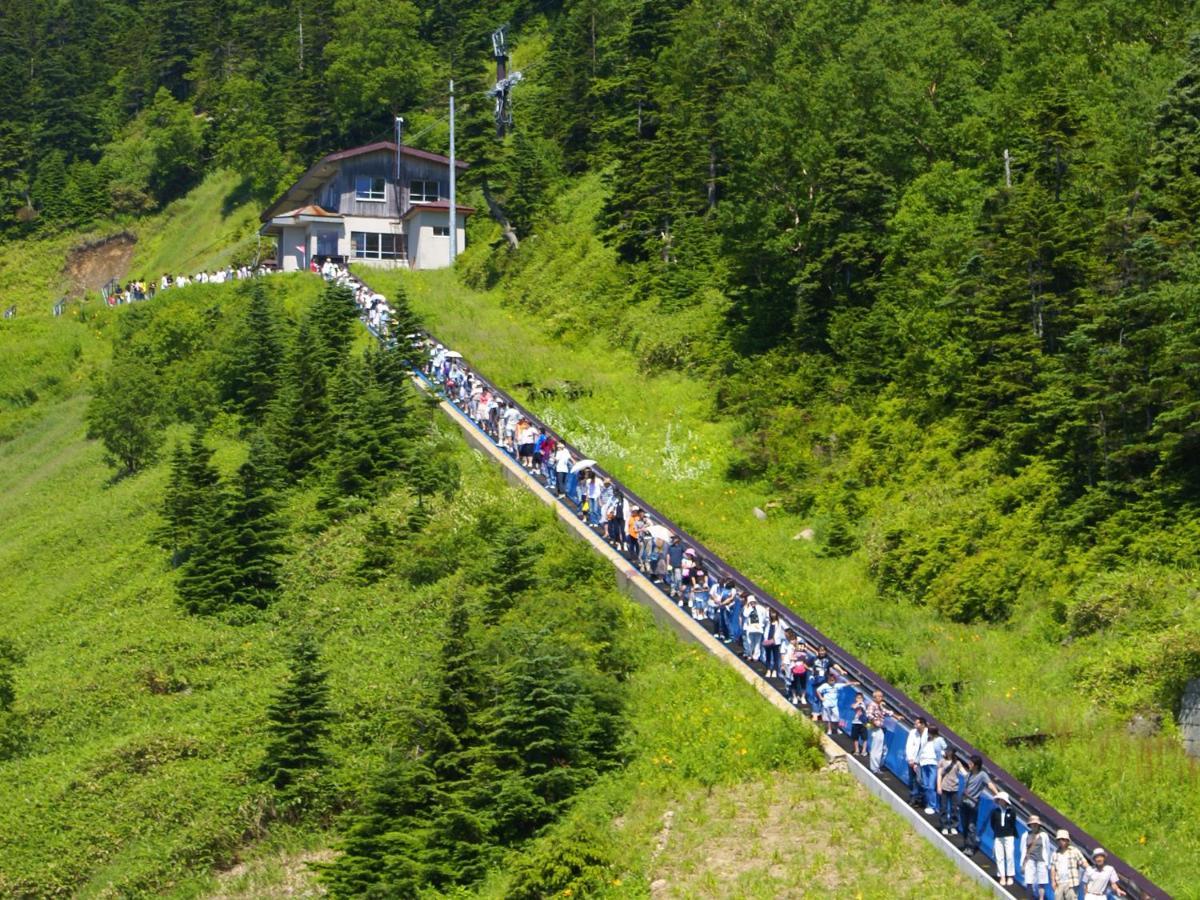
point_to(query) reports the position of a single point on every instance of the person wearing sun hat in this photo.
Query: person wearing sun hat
(1099, 878)
(1066, 867)
(1004, 834)
(1035, 858)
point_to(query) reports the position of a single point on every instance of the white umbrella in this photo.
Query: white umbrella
(581, 465)
(660, 532)
(453, 354)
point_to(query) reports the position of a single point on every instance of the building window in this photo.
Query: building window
(441, 231)
(422, 191)
(377, 246)
(370, 189)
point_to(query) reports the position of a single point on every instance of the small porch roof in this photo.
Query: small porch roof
(305, 215)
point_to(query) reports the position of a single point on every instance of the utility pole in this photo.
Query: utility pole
(453, 212)
(399, 171)
(300, 28)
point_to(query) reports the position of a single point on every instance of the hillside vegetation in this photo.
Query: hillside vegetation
(137, 733)
(1052, 709)
(922, 277)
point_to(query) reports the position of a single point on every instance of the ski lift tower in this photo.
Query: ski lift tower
(502, 92)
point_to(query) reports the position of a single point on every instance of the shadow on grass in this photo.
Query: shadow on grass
(242, 194)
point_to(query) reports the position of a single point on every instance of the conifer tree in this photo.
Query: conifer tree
(538, 740)
(10, 657)
(402, 325)
(511, 571)
(379, 547)
(391, 370)
(370, 446)
(301, 415)
(298, 718)
(192, 478)
(457, 827)
(255, 531)
(254, 369)
(385, 848)
(171, 535)
(208, 576)
(332, 319)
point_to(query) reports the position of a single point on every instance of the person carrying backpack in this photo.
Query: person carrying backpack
(752, 629)
(772, 638)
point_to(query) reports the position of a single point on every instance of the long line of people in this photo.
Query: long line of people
(951, 788)
(115, 294)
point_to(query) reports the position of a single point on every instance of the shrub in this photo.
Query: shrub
(577, 862)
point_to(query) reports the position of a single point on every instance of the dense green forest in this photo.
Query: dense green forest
(933, 265)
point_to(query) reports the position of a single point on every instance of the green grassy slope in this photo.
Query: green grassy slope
(137, 725)
(210, 227)
(555, 321)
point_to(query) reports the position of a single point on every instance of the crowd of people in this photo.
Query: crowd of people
(948, 786)
(138, 290)
(373, 307)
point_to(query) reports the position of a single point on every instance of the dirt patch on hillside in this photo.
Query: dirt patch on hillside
(90, 265)
(276, 875)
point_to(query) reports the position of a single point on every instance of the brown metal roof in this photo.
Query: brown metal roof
(390, 146)
(326, 165)
(437, 206)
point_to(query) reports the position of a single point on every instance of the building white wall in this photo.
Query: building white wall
(291, 258)
(427, 250)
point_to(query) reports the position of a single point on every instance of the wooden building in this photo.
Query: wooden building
(358, 206)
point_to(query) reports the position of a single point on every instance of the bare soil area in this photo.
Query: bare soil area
(91, 264)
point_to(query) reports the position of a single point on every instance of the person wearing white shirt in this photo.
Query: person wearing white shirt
(912, 751)
(1035, 858)
(562, 465)
(929, 754)
(1099, 878)
(753, 623)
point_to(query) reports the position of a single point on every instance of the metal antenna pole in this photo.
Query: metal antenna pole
(453, 212)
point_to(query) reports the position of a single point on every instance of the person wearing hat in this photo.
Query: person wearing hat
(1099, 878)
(1035, 858)
(1004, 839)
(1066, 867)
(753, 622)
